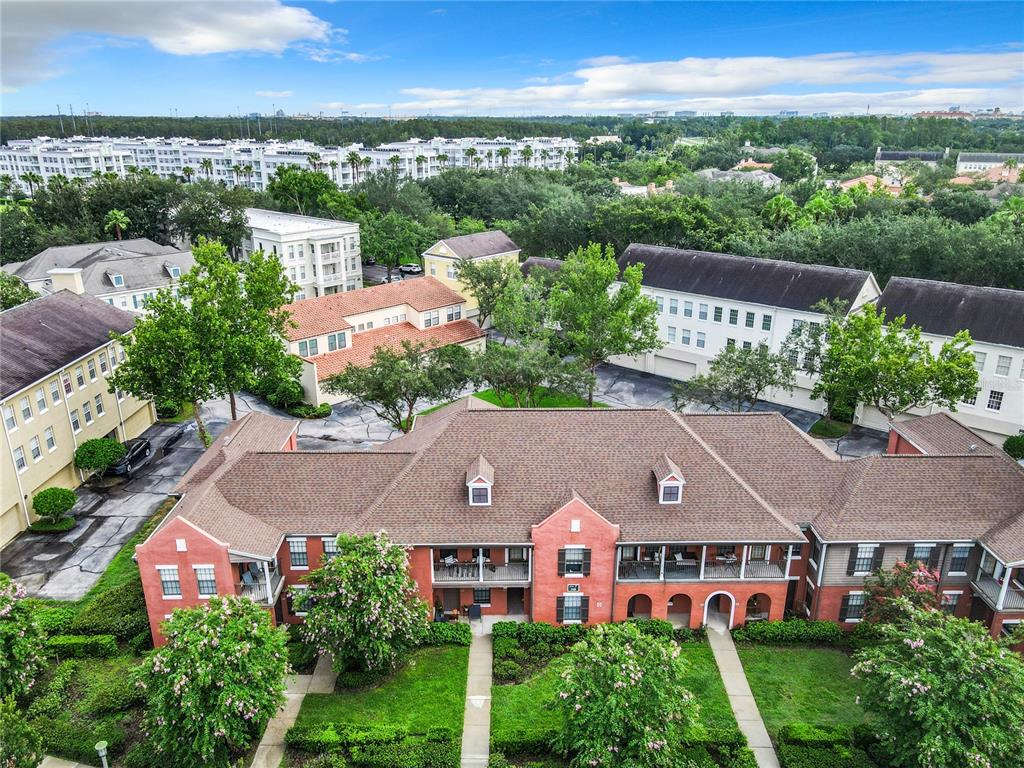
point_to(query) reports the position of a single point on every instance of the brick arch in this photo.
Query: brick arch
(679, 609)
(640, 606)
(724, 598)
(758, 607)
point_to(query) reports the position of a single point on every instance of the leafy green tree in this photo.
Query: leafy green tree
(736, 379)
(214, 212)
(397, 380)
(21, 641)
(1014, 446)
(215, 684)
(794, 165)
(600, 313)
(524, 373)
(387, 191)
(362, 606)
(300, 190)
(890, 592)
(520, 310)
(13, 291)
(22, 745)
(52, 504)
(930, 705)
(486, 279)
(891, 367)
(962, 205)
(393, 239)
(97, 454)
(780, 212)
(624, 701)
(116, 221)
(1010, 216)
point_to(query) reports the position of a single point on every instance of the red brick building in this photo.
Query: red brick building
(586, 516)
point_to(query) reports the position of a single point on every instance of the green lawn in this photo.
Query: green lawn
(829, 429)
(183, 415)
(430, 690)
(525, 705)
(801, 684)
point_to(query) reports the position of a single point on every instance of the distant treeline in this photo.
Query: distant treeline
(816, 134)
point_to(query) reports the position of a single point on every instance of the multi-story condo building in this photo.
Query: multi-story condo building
(332, 332)
(889, 157)
(250, 163)
(441, 260)
(57, 354)
(995, 319)
(123, 273)
(584, 516)
(970, 162)
(708, 301)
(320, 256)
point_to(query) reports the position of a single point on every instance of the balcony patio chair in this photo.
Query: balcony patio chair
(475, 612)
(247, 579)
(448, 561)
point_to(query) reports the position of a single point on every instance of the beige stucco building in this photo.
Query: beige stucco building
(441, 260)
(55, 356)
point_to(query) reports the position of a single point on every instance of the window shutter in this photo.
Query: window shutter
(586, 562)
(876, 560)
(851, 565)
(561, 563)
(910, 554)
(584, 609)
(933, 557)
(559, 609)
(844, 608)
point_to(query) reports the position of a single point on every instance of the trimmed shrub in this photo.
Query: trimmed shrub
(742, 758)
(301, 657)
(52, 504)
(114, 694)
(796, 756)
(697, 757)
(790, 632)
(97, 454)
(808, 735)
(307, 411)
(863, 635)
(1014, 445)
(81, 646)
(540, 652)
(74, 740)
(54, 699)
(326, 761)
(22, 746)
(141, 642)
(653, 627)
(507, 648)
(498, 760)
(407, 754)
(520, 741)
(119, 611)
(61, 525)
(54, 618)
(687, 635)
(448, 633)
(507, 670)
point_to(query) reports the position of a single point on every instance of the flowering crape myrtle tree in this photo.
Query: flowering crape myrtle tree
(21, 641)
(212, 688)
(888, 592)
(623, 700)
(943, 693)
(362, 606)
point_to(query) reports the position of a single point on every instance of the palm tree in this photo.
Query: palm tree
(187, 173)
(354, 160)
(490, 159)
(7, 185)
(32, 179)
(394, 162)
(471, 154)
(334, 170)
(569, 156)
(544, 155)
(366, 162)
(117, 221)
(236, 169)
(421, 160)
(503, 153)
(313, 158)
(527, 153)
(443, 160)
(478, 161)
(207, 165)
(247, 170)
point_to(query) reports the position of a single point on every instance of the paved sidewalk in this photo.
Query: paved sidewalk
(476, 724)
(740, 697)
(59, 762)
(270, 751)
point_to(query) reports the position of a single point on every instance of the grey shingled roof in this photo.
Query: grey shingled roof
(481, 244)
(989, 157)
(896, 156)
(539, 261)
(45, 334)
(741, 278)
(85, 256)
(993, 315)
(941, 433)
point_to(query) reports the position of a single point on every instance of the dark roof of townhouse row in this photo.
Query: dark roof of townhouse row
(742, 278)
(898, 155)
(540, 261)
(480, 244)
(43, 335)
(989, 157)
(993, 315)
(750, 477)
(140, 261)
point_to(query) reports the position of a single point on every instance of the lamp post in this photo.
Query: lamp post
(101, 750)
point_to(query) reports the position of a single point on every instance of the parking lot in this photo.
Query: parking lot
(378, 274)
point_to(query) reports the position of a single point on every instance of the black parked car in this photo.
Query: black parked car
(138, 450)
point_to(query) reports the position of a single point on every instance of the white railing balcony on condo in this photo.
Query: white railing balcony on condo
(257, 588)
(477, 571)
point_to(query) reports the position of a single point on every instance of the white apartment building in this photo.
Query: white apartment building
(253, 163)
(995, 319)
(320, 256)
(708, 301)
(972, 162)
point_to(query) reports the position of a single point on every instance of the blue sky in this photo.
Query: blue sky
(217, 56)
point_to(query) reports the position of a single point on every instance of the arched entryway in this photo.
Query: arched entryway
(679, 608)
(758, 607)
(639, 607)
(720, 610)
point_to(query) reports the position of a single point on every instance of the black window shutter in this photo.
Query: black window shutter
(561, 563)
(584, 609)
(876, 560)
(851, 564)
(910, 554)
(586, 562)
(559, 609)
(844, 608)
(933, 557)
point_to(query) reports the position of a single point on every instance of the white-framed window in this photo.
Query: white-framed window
(308, 348)
(175, 271)
(979, 361)
(701, 340)
(76, 425)
(65, 379)
(100, 410)
(973, 399)
(865, 558)
(103, 363)
(330, 544)
(687, 309)
(716, 315)
(660, 301)
(80, 377)
(170, 584)
(574, 561)
(734, 316)
(747, 345)
(26, 409)
(479, 495)
(451, 272)
(87, 412)
(206, 580)
(433, 269)
(671, 334)
(673, 306)
(41, 400)
(431, 319)
(482, 596)
(748, 320)
(766, 322)
(336, 341)
(54, 392)
(35, 449)
(702, 311)
(117, 280)
(19, 459)
(921, 552)
(298, 599)
(686, 337)
(949, 600)
(959, 558)
(455, 313)
(853, 607)
(671, 493)
(995, 400)
(297, 554)
(92, 369)
(572, 609)
(1003, 363)
(10, 420)
(51, 440)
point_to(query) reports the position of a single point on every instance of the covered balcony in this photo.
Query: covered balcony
(999, 586)
(702, 562)
(259, 581)
(492, 565)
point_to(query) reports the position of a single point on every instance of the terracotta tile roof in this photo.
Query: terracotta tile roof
(941, 433)
(365, 344)
(326, 314)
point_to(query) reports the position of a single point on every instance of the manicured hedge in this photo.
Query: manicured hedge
(325, 737)
(448, 633)
(53, 617)
(791, 632)
(55, 698)
(77, 741)
(523, 741)
(81, 646)
(379, 746)
(796, 756)
(808, 735)
(306, 411)
(119, 611)
(62, 525)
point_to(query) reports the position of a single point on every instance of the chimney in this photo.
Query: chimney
(669, 184)
(69, 279)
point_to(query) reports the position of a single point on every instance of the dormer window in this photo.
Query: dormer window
(670, 481)
(117, 280)
(173, 270)
(479, 480)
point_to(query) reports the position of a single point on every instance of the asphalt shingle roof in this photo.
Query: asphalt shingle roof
(941, 433)
(480, 244)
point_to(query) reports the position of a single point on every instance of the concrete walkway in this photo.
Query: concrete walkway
(476, 724)
(270, 751)
(740, 697)
(59, 762)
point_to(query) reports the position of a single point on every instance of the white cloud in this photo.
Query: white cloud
(274, 94)
(326, 54)
(604, 61)
(33, 28)
(346, 107)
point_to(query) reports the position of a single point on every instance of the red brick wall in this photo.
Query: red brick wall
(161, 549)
(296, 575)
(551, 535)
(698, 593)
(898, 444)
(421, 570)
